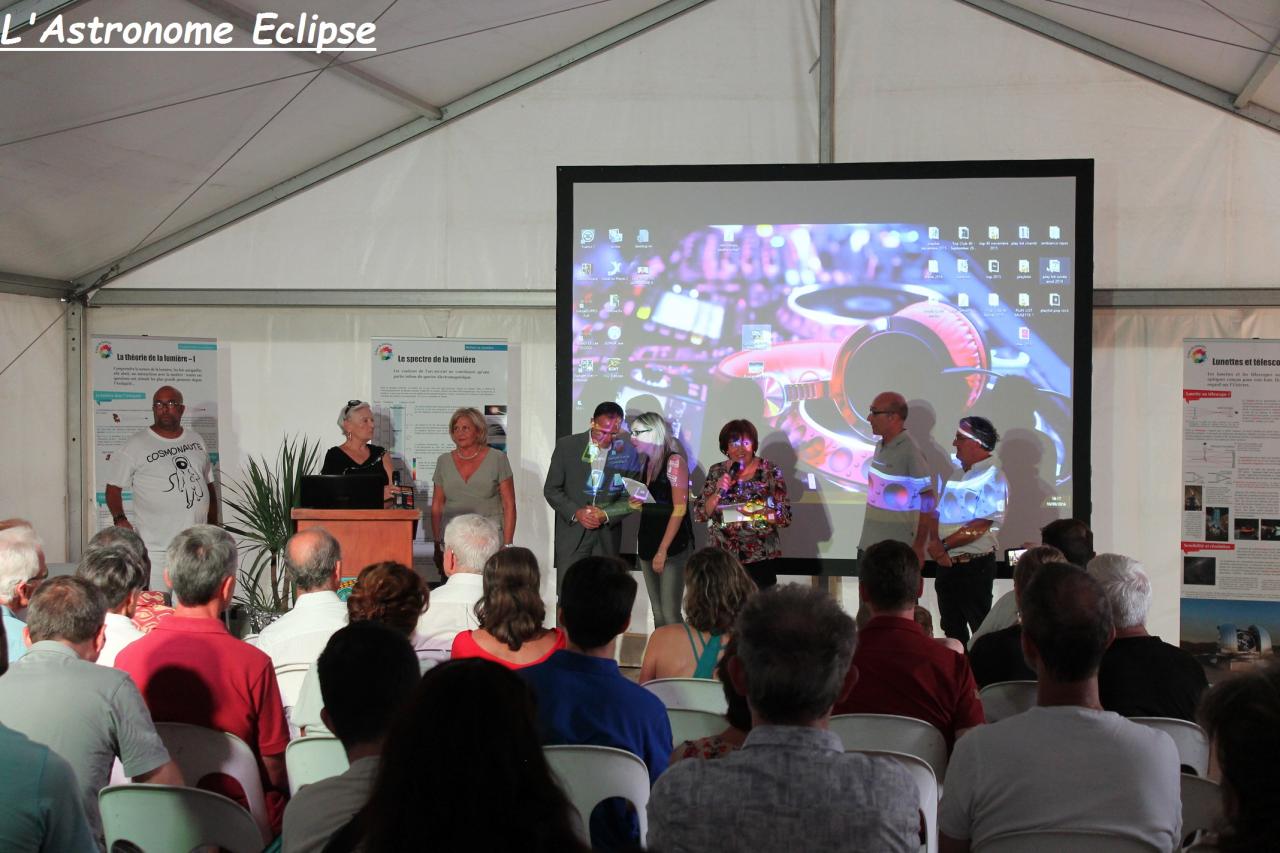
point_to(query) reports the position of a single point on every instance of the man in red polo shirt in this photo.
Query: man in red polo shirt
(900, 669)
(191, 670)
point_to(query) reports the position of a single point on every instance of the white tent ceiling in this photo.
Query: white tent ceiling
(103, 154)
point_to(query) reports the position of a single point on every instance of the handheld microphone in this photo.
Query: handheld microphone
(734, 470)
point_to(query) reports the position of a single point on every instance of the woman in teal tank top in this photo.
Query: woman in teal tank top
(716, 587)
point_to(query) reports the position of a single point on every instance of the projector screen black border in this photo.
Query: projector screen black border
(1081, 170)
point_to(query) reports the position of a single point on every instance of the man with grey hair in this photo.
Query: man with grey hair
(121, 577)
(469, 541)
(313, 561)
(89, 715)
(1141, 675)
(22, 568)
(191, 670)
(792, 782)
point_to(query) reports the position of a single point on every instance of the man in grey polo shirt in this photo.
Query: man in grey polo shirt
(90, 715)
(900, 491)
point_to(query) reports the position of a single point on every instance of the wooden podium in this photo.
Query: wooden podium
(367, 536)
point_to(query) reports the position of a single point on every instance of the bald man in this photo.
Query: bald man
(313, 561)
(167, 469)
(900, 491)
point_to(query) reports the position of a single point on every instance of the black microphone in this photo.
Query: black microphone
(734, 470)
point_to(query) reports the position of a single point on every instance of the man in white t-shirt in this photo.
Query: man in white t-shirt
(167, 468)
(313, 561)
(120, 576)
(1065, 764)
(469, 541)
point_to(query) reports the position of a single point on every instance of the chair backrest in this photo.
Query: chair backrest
(311, 759)
(696, 694)
(1201, 803)
(894, 734)
(589, 774)
(290, 676)
(1191, 740)
(926, 789)
(200, 752)
(168, 817)
(1063, 841)
(688, 724)
(1006, 698)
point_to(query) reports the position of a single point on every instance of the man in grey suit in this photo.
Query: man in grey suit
(584, 486)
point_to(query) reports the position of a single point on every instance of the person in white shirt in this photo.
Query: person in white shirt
(120, 576)
(313, 561)
(469, 541)
(367, 672)
(1065, 764)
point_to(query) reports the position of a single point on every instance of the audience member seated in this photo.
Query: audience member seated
(391, 594)
(469, 541)
(89, 715)
(22, 568)
(736, 714)
(997, 656)
(313, 561)
(901, 670)
(716, 587)
(152, 604)
(510, 612)
(583, 698)
(191, 670)
(792, 785)
(367, 673)
(1242, 716)
(1065, 764)
(488, 753)
(1141, 675)
(1072, 537)
(120, 576)
(1005, 611)
(40, 805)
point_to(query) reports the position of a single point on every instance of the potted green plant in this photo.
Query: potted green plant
(262, 503)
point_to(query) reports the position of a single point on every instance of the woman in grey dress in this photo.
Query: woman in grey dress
(473, 477)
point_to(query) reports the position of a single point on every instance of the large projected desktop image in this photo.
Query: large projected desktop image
(792, 295)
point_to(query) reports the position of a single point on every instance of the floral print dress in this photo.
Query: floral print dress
(762, 498)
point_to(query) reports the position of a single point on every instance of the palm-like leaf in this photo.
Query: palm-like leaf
(262, 503)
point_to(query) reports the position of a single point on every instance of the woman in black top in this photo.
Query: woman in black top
(665, 540)
(356, 455)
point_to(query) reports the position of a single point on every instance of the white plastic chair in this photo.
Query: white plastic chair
(200, 752)
(688, 724)
(1063, 841)
(311, 759)
(290, 677)
(696, 694)
(1006, 698)
(891, 733)
(1191, 740)
(926, 788)
(590, 774)
(168, 817)
(1201, 803)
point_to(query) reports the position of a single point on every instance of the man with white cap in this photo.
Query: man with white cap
(970, 512)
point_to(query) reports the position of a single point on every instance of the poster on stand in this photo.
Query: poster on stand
(1230, 502)
(125, 373)
(417, 384)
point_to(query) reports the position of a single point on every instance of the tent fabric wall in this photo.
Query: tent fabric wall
(33, 396)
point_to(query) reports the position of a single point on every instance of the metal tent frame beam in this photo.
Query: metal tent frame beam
(31, 285)
(90, 282)
(1129, 61)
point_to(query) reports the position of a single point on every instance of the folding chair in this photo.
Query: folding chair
(894, 734)
(696, 694)
(200, 752)
(311, 759)
(169, 817)
(1191, 740)
(1006, 698)
(926, 788)
(591, 774)
(688, 724)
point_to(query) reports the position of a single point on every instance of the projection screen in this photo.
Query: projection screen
(792, 295)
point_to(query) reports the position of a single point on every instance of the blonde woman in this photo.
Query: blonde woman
(665, 538)
(356, 455)
(472, 478)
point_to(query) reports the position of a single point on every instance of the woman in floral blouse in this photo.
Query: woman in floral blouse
(744, 503)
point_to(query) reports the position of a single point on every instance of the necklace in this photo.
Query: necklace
(458, 453)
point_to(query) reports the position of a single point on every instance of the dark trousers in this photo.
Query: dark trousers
(964, 595)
